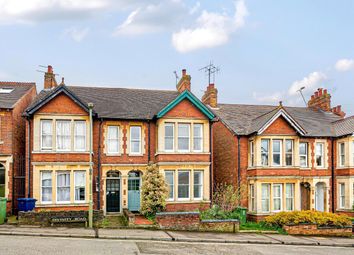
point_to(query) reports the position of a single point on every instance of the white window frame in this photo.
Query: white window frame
(51, 124)
(341, 154)
(135, 140)
(200, 139)
(265, 198)
(268, 159)
(56, 135)
(200, 185)
(189, 185)
(280, 196)
(252, 198)
(341, 195)
(171, 186)
(304, 155)
(169, 124)
(109, 127)
(189, 137)
(77, 186)
(292, 185)
(280, 153)
(75, 135)
(289, 153)
(41, 187)
(56, 188)
(251, 153)
(322, 154)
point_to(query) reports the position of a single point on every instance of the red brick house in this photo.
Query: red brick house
(131, 127)
(14, 98)
(285, 158)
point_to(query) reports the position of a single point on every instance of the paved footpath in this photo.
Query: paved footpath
(176, 236)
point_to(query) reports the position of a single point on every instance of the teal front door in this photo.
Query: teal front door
(134, 193)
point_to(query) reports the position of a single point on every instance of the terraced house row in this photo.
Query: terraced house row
(285, 158)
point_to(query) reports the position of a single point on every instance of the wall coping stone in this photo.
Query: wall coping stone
(216, 221)
(176, 213)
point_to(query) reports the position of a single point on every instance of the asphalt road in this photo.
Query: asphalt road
(26, 245)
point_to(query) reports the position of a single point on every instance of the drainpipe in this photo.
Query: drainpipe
(332, 172)
(149, 141)
(90, 212)
(99, 166)
(238, 167)
(29, 157)
(211, 170)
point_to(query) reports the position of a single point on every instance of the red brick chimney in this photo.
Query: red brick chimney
(49, 79)
(185, 82)
(210, 96)
(338, 111)
(321, 99)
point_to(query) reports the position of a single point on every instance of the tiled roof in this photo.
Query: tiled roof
(8, 100)
(245, 119)
(120, 103)
(344, 126)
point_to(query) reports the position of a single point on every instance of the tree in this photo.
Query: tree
(154, 191)
(228, 197)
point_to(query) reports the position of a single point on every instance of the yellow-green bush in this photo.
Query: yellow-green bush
(312, 217)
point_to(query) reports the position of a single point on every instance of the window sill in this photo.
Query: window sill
(180, 152)
(60, 152)
(135, 155)
(187, 201)
(113, 154)
(1, 142)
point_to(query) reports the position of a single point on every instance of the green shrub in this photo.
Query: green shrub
(310, 217)
(216, 213)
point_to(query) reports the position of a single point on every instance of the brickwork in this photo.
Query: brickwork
(279, 127)
(185, 109)
(186, 207)
(314, 230)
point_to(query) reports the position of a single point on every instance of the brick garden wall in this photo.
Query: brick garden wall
(311, 229)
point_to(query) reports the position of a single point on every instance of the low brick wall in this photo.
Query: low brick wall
(187, 207)
(315, 230)
(43, 218)
(226, 226)
(191, 221)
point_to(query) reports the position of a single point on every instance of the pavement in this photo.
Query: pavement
(174, 236)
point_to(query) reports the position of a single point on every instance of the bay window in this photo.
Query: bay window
(341, 195)
(113, 140)
(265, 197)
(63, 187)
(170, 181)
(80, 135)
(320, 154)
(265, 152)
(303, 152)
(289, 152)
(169, 136)
(80, 186)
(277, 197)
(46, 135)
(46, 187)
(198, 137)
(341, 154)
(277, 152)
(289, 196)
(135, 140)
(198, 184)
(63, 135)
(183, 137)
(183, 185)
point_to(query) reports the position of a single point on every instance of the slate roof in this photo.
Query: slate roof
(119, 103)
(344, 126)
(8, 101)
(246, 119)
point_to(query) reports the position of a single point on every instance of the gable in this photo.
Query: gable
(280, 126)
(62, 104)
(185, 109)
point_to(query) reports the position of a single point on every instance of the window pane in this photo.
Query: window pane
(303, 154)
(47, 132)
(264, 151)
(277, 197)
(63, 135)
(183, 137)
(135, 139)
(289, 152)
(80, 135)
(289, 190)
(46, 186)
(80, 185)
(198, 184)
(63, 186)
(183, 184)
(319, 154)
(169, 178)
(113, 139)
(169, 136)
(135, 133)
(198, 137)
(265, 197)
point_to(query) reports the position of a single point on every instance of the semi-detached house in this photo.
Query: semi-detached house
(131, 127)
(285, 158)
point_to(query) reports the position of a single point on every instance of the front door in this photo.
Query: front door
(305, 196)
(320, 196)
(113, 195)
(134, 192)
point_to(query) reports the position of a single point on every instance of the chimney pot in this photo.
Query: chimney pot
(50, 69)
(312, 97)
(325, 91)
(316, 94)
(320, 92)
(184, 72)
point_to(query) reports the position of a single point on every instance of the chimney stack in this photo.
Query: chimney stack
(49, 78)
(338, 111)
(185, 82)
(210, 96)
(320, 100)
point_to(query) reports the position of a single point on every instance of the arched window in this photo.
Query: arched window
(2, 180)
(134, 174)
(113, 174)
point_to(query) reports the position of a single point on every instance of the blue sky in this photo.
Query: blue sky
(265, 49)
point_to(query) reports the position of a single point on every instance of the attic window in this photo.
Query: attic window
(6, 90)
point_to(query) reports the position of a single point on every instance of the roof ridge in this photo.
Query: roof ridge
(98, 87)
(344, 119)
(14, 83)
(266, 113)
